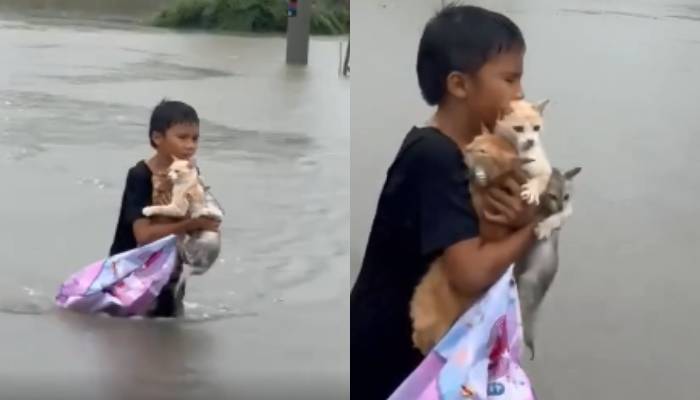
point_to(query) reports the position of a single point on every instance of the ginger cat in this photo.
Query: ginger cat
(436, 304)
(491, 158)
(179, 193)
(187, 198)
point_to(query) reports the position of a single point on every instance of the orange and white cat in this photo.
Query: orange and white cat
(491, 158)
(189, 198)
(522, 126)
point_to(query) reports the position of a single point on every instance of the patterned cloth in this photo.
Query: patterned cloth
(479, 357)
(125, 284)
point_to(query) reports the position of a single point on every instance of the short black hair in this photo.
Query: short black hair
(168, 113)
(461, 38)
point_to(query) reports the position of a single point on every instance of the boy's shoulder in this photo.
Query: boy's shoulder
(139, 172)
(428, 147)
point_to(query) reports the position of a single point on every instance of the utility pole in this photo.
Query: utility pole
(346, 67)
(298, 31)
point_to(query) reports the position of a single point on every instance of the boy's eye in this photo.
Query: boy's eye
(518, 128)
(536, 128)
(566, 197)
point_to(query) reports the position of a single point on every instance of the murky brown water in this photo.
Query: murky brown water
(619, 322)
(75, 98)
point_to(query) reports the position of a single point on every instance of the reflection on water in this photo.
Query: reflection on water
(146, 359)
(91, 123)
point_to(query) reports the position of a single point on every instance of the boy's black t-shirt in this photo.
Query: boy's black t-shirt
(138, 193)
(424, 208)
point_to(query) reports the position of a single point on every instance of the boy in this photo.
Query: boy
(469, 65)
(173, 131)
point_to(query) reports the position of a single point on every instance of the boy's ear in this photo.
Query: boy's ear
(157, 137)
(459, 85)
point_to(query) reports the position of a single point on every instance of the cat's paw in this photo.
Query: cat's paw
(209, 213)
(216, 214)
(530, 193)
(544, 229)
(148, 211)
(197, 214)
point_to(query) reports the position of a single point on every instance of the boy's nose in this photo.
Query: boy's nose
(518, 93)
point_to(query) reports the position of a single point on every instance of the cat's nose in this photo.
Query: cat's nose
(527, 145)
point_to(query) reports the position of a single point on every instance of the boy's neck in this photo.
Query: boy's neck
(160, 161)
(456, 124)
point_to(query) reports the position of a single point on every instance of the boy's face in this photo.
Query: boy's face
(489, 92)
(180, 140)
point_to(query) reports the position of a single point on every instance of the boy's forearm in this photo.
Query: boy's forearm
(474, 265)
(146, 231)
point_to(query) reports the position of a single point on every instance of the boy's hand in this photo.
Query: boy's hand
(503, 205)
(203, 224)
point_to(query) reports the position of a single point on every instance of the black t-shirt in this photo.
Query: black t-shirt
(138, 193)
(424, 208)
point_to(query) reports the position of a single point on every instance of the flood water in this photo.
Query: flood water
(619, 321)
(269, 320)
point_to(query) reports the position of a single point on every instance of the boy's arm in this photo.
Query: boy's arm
(147, 231)
(473, 265)
(450, 227)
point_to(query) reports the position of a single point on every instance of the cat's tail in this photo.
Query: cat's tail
(184, 275)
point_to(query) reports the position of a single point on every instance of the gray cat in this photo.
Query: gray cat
(535, 272)
(200, 250)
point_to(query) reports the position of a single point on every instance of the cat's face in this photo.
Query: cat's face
(560, 190)
(181, 170)
(523, 123)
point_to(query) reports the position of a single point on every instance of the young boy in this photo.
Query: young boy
(469, 65)
(173, 131)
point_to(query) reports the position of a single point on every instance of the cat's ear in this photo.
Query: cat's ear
(571, 173)
(541, 106)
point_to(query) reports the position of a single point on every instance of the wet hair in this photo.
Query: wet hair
(461, 38)
(168, 113)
